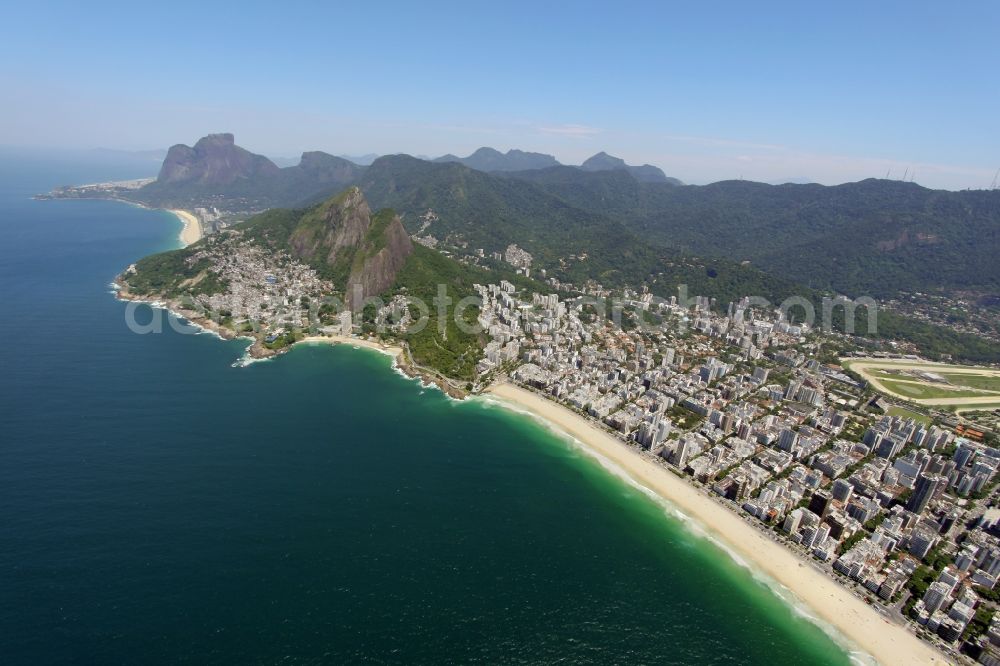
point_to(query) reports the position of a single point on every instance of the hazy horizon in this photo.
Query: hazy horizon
(154, 156)
(765, 94)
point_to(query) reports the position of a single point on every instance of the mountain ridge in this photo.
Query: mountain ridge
(646, 173)
(216, 167)
(874, 237)
(490, 159)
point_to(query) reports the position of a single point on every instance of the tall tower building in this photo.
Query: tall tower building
(923, 491)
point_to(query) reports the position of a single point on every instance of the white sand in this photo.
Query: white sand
(359, 342)
(192, 231)
(831, 602)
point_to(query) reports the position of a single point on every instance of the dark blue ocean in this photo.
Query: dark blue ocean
(160, 506)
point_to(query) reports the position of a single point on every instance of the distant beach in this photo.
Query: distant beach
(391, 350)
(192, 231)
(832, 603)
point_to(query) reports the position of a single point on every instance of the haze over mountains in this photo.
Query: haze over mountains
(216, 167)
(875, 237)
(491, 160)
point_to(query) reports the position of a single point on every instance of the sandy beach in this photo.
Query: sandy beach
(834, 605)
(192, 231)
(395, 352)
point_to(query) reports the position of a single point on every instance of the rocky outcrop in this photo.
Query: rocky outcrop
(215, 160)
(332, 230)
(364, 253)
(376, 272)
(217, 172)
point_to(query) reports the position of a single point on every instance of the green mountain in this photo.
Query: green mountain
(476, 210)
(647, 173)
(874, 237)
(493, 161)
(724, 240)
(611, 228)
(490, 159)
(363, 254)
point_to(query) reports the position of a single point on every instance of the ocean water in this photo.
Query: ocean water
(160, 506)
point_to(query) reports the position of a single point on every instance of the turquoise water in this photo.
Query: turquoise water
(162, 506)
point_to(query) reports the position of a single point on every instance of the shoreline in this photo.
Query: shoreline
(389, 350)
(192, 232)
(256, 351)
(832, 604)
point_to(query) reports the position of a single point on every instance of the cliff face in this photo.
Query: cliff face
(338, 224)
(377, 272)
(364, 253)
(214, 160)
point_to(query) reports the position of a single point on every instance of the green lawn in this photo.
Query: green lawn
(909, 414)
(886, 374)
(974, 381)
(920, 391)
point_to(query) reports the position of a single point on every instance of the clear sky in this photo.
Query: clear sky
(831, 92)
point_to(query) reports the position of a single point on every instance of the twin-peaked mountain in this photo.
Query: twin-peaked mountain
(361, 251)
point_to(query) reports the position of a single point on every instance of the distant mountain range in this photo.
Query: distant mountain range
(875, 237)
(647, 173)
(491, 161)
(607, 221)
(215, 167)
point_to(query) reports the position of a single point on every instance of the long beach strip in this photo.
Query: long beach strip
(888, 643)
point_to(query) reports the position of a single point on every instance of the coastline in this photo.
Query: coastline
(256, 351)
(832, 603)
(390, 350)
(192, 231)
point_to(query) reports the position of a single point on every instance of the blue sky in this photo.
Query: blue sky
(707, 91)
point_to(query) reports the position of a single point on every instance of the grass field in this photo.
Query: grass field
(974, 381)
(922, 391)
(909, 414)
(967, 388)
